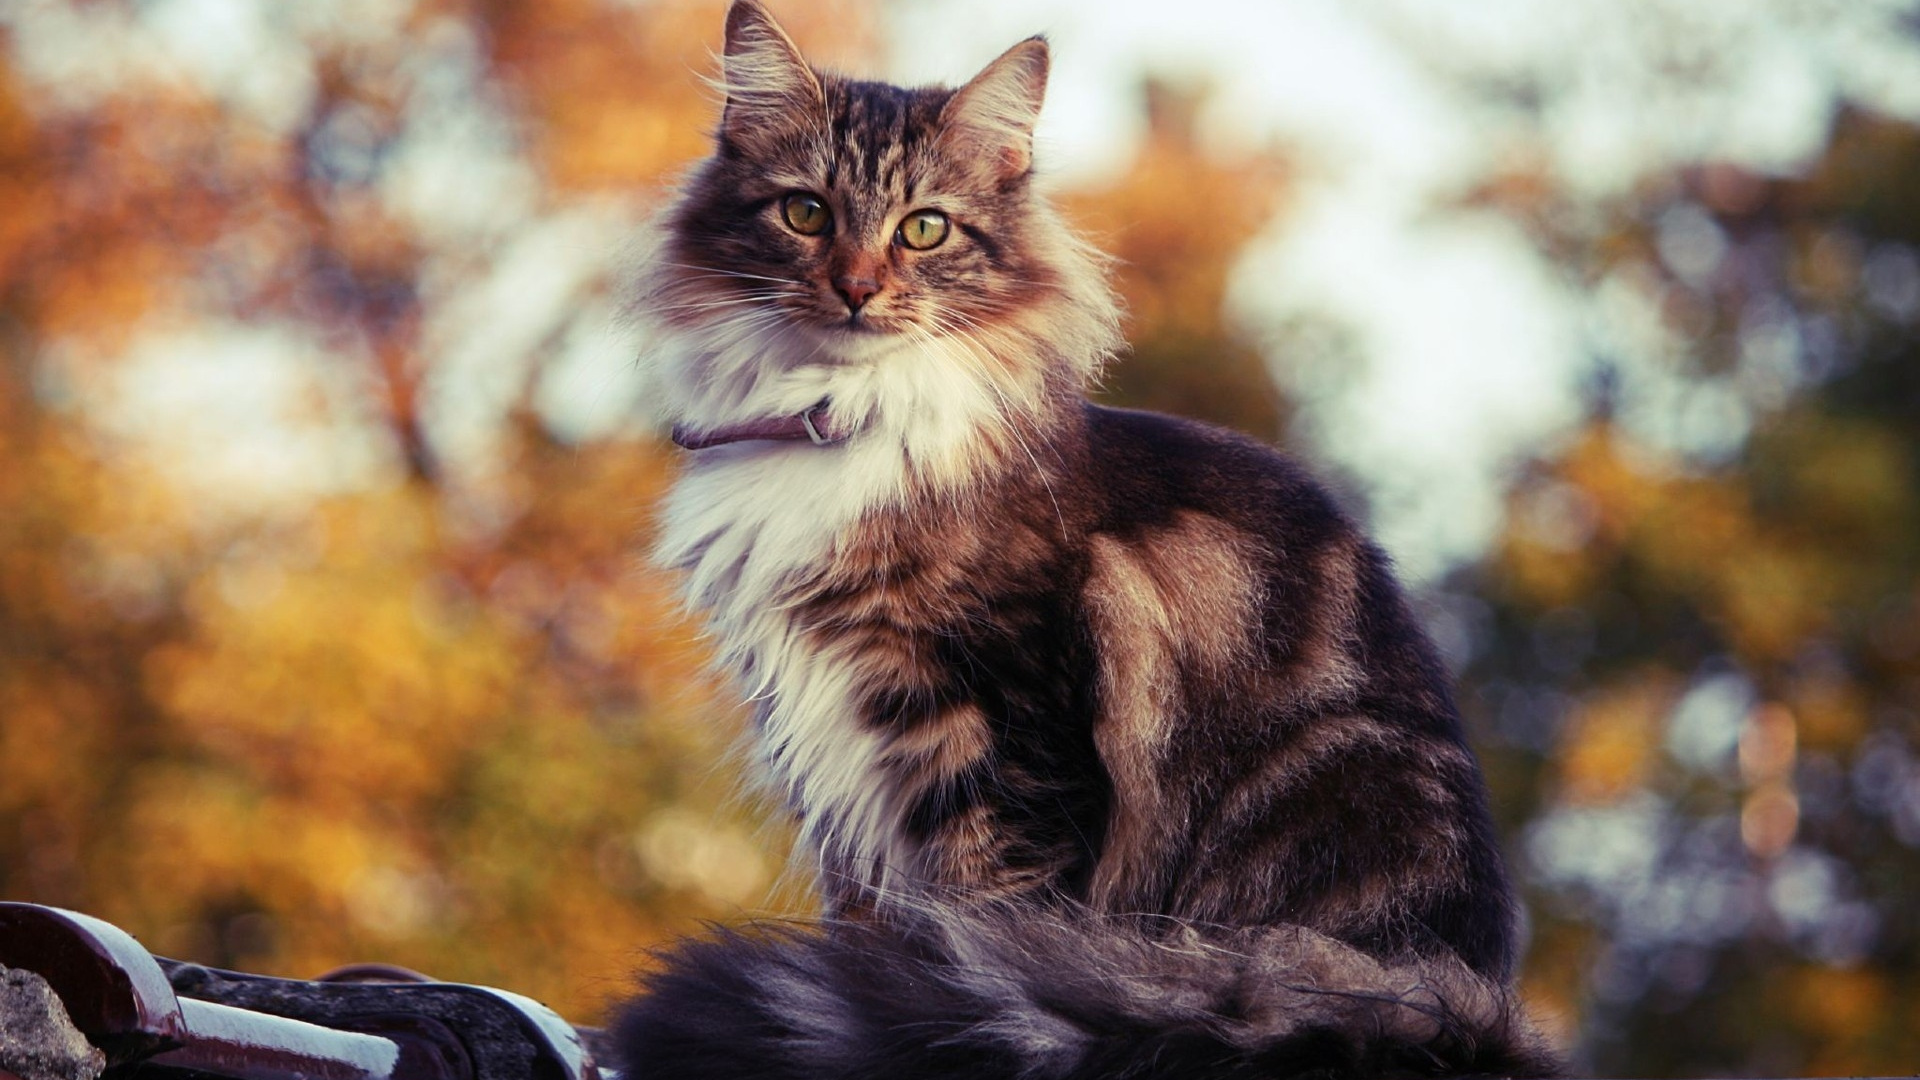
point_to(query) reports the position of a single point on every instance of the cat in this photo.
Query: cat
(1113, 741)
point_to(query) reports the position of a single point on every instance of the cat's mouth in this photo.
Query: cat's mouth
(861, 324)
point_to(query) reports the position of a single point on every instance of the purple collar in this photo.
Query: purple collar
(813, 425)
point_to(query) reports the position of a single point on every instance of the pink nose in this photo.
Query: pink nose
(855, 291)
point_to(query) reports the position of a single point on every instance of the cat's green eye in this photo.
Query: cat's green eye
(806, 214)
(924, 229)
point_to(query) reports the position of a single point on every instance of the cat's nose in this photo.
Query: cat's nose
(855, 291)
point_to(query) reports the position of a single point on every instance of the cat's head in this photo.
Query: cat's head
(856, 223)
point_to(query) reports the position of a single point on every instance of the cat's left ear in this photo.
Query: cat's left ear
(991, 119)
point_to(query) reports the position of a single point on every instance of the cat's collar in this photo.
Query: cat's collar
(814, 425)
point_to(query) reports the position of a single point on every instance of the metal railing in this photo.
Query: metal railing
(136, 1010)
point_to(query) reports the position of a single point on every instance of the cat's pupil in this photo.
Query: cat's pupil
(923, 229)
(805, 214)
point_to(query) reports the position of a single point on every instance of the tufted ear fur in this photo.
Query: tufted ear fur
(771, 92)
(990, 120)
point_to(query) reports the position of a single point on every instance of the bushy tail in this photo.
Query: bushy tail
(1007, 995)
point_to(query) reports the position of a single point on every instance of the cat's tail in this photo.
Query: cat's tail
(1000, 996)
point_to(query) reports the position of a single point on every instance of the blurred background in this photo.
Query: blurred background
(325, 632)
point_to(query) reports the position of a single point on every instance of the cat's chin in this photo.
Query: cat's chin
(861, 343)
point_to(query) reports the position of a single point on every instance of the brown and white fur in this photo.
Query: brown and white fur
(1115, 744)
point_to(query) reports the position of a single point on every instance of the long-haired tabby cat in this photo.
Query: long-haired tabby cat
(1117, 748)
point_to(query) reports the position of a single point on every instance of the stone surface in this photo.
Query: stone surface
(37, 1039)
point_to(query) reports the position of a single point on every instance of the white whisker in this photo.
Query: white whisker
(710, 271)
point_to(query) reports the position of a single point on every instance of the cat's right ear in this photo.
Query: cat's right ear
(989, 121)
(771, 91)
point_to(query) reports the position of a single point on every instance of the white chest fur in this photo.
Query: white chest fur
(754, 525)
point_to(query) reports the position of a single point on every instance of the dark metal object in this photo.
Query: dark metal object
(380, 973)
(492, 1034)
(160, 1014)
(225, 1041)
(113, 990)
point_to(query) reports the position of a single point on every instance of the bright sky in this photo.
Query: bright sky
(1468, 348)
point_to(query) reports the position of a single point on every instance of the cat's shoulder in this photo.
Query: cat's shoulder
(1154, 459)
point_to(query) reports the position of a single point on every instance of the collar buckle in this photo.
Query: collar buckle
(813, 430)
